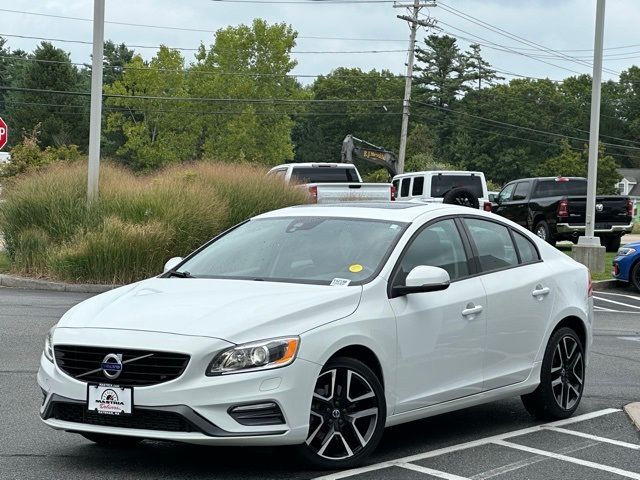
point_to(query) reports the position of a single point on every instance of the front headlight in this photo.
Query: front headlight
(48, 346)
(263, 355)
(624, 251)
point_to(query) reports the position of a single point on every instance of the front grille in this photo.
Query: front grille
(142, 419)
(156, 367)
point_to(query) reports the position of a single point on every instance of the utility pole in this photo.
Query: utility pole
(588, 251)
(414, 22)
(95, 118)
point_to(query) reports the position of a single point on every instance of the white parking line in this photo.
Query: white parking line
(464, 446)
(602, 309)
(430, 471)
(617, 303)
(633, 446)
(632, 297)
(578, 461)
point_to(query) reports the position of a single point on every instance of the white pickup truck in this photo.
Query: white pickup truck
(332, 182)
(439, 186)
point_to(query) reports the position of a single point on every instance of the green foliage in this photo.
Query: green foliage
(423, 162)
(318, 133)
(137, 223)
(27, 156)
(62, 118)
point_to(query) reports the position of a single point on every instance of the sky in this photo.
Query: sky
(557, 24)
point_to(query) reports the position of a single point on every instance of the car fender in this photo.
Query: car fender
(568, 311)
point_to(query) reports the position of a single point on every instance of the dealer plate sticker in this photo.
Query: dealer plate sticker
(110, 399)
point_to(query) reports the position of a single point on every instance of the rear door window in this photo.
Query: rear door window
(493, 243)
(522, 191)
(418, 186)
(441, 184)
(324, 175)
(404, 187)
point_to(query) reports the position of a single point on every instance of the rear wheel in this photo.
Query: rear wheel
(612, 243)
(105, 440)
(348, 413)
(561, 378)
(542, 230)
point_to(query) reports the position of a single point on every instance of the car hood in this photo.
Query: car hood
(234, 310)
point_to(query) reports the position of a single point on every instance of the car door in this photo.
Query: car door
(440, 335)
(520, 299)
(519, 203)
(504, 201)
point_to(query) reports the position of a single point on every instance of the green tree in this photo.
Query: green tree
(63, 118)
(321, 128)
(115, 59)
(477, 70)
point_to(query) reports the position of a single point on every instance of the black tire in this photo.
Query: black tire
(561, 379)
(634, 276)
(461, 196)
(542, 230)
(335, 437)
(612, 242)
(114, 441)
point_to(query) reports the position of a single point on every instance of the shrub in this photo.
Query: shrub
(138, 221)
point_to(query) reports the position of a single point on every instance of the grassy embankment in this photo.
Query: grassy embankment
(136, 225)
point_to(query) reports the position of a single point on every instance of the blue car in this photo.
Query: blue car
(626, 265)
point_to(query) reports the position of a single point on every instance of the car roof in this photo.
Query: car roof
(438, 172)
(391, 211)
(543, 178)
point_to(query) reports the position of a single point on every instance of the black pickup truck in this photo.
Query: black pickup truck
(554, 209)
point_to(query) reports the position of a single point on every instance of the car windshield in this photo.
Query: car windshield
(320, 250)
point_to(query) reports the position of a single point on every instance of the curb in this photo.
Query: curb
(33, 284)
(633, 410)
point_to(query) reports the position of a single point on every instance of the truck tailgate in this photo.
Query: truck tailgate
(610, 210)
(351, 192)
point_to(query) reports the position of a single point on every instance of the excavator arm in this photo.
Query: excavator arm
(368, 152)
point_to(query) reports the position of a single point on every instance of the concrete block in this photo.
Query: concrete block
(633, 410)
(591, 256)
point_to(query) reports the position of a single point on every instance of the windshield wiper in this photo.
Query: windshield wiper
(178, 274)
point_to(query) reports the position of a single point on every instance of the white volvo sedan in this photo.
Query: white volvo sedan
(317, 326)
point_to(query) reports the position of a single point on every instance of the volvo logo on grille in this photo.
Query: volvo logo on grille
(112, 366)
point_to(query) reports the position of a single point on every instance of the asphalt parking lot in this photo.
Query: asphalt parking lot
(497, 440)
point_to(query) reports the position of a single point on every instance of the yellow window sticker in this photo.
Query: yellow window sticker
(355, 268)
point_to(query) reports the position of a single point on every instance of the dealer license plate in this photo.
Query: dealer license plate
(110, 399)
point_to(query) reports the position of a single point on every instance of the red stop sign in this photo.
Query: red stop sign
(4, 134)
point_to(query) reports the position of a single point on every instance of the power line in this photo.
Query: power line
(515, 37)
(187, 29)
(190, 49)
(204, 99)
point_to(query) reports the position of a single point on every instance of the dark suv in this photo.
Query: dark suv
(554, 209)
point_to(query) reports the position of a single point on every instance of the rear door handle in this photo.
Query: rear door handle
(541, 291)
(471, 310)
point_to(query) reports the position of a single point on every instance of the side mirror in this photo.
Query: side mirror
(172, 263)
(423, 279)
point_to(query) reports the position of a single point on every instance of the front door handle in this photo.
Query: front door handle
(541, 291)
(471, 310)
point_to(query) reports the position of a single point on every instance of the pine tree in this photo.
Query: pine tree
(478, 70)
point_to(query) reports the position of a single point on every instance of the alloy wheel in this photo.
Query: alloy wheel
(567, 373)
(344, 414)
(541, 232)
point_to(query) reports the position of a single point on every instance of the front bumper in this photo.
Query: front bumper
(566, 228)
(200, 403)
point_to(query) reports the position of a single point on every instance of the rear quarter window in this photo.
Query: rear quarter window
(526, 248)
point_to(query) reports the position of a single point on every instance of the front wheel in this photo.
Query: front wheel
(561, 378)
(634, 277)
(348, 413)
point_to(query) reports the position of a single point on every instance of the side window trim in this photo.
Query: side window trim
(515, 244)
(465, 242)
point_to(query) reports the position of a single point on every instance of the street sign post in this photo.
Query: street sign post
(4, 134)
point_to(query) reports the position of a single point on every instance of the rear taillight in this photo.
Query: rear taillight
(629, 207)
(394, 192)
(313, 191)
(487, 207)
(563, 208)
(590, 286)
